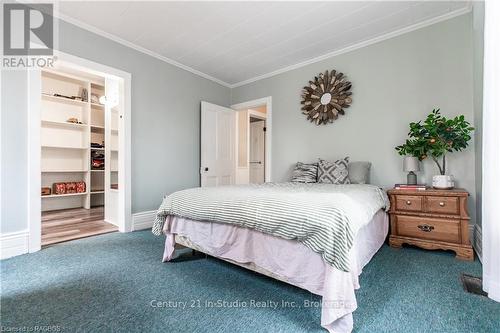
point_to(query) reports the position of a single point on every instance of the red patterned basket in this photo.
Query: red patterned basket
(80, 187)
(59, 188)
(71, 187)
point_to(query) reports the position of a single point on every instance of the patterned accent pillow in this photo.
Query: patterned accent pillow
(305, 173)
(334, 172)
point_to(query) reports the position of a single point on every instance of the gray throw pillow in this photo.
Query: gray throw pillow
(333, 172)
(305, 173)
(359, 172)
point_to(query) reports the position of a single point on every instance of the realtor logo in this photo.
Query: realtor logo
(28, 29)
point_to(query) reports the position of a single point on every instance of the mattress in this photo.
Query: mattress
(323, 217)
(271, 256)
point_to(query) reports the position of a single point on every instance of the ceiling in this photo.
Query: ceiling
(238, 42)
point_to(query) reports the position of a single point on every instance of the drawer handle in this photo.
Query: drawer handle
(441, 204)
(408, 202)
(426, 227)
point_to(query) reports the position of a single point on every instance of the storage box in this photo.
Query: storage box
(46, 191)
(80, 187)
(59, 188)
(71, 187)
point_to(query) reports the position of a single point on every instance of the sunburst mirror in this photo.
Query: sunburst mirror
(326, 97)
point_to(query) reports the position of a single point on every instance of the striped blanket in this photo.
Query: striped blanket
(324, 217)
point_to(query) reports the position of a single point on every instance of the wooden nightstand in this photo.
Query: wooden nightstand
(431, 219)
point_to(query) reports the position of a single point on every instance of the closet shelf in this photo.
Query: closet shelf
(63, 147)
(64, 195)
(64, 171)
(63, 100)
(63, 124)
(97, 105)
(97, 129)
(97, 192)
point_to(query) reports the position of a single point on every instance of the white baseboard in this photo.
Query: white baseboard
(143, 220)
(14, 244)
(476, 236)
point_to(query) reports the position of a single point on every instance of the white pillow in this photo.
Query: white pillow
(359, 172)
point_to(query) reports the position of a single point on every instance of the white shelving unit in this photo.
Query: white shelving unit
(114, 148)
(65, 146)
(97, 123)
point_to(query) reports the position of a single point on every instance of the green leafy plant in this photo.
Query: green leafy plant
(436, 137)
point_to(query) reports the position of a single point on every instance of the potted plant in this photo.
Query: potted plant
(434, 138)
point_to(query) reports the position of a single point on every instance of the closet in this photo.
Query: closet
(79, 156)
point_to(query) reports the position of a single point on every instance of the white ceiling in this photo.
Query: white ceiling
(237, 42)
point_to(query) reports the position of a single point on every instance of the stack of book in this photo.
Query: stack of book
(418, 187)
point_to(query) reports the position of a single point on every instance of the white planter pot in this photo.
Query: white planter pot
(443, 182)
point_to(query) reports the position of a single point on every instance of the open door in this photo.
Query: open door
(218, 145)
(114, 196)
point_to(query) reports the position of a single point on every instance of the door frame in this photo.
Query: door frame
(268, 102)
(34, 150)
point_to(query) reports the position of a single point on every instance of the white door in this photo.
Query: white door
(257, 152)
(114, 196)
(218, 145)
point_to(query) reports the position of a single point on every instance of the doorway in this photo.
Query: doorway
(236, 143)
(254, 134)
(80, 144)
(257, 146)
(79, 155)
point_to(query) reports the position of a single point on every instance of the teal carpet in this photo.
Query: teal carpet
(107, 283)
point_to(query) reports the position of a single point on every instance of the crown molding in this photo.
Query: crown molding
(136, 47)
(347, 49)
(359, 45)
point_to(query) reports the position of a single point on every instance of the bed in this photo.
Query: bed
(332, 231)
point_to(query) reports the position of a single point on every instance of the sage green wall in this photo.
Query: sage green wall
(14, 149)
(395, 82)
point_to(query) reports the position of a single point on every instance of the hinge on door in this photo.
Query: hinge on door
(265, 129)
(201, 170)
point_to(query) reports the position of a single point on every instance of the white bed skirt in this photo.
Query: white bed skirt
(289, 260)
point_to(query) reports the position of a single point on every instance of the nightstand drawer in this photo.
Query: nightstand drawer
(445, 230)
(443, 205)
(408, 202)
